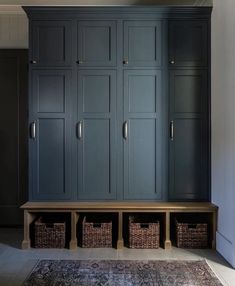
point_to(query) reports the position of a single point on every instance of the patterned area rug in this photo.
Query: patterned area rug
(124, 273)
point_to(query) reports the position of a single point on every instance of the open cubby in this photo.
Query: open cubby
(98, 218)
(50, 218)
(191, 218)
(143, 218)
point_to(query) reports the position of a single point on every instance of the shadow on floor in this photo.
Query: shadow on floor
(11, 236)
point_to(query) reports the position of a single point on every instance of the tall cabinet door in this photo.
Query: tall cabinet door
(51, 43)
(142, 43)
(188, 135)
(96, 134)
(142, 134)
(50, 131)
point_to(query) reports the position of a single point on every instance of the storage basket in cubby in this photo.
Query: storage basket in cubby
(48, 234)
(191, 235)
(143, 233)
(96, 232)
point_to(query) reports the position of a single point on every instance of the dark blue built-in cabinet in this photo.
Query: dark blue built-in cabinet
(119, 104)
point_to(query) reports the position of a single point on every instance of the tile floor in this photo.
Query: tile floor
(16, 264)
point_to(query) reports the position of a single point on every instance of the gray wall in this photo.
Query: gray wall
(13, 28)
(223, 124)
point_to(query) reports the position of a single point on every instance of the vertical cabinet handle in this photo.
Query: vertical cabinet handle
(33, 130)
(125, 130)
(79, 130)
(172, 130)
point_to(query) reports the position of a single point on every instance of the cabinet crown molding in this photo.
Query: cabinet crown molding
(158, 10)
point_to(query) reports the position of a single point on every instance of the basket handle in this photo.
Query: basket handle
(49, 225)
(96, 225)
(192, 226)
(144, 225)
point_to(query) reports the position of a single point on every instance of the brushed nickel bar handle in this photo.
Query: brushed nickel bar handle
(125, 129)
(80, 130)
(33, 130)
(172, 130)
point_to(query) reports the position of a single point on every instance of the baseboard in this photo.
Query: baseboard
(226, 248)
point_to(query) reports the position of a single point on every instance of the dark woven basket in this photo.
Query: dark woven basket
(49, 235)
(143, 234)
(96, 233)
(191, 235)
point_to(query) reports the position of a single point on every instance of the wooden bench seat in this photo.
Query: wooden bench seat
(31, 210)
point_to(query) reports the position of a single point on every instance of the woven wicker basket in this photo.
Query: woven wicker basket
(49, 235)
(96, 233)
(143, 234)
(191, 235)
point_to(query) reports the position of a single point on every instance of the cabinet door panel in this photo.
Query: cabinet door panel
(51, 43)
(142, 43)
(50, 95)
(96, 93)
(188, 43)
(96, 158)
(186, 172)
(142, 158)
(96, 148)
(142, 147)
(97, 43)
(50, 159)
(189, 147)
(142, 93)
(188, 92)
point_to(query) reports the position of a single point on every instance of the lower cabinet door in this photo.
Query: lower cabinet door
(142, 135)
(50, 132)
(96, 134)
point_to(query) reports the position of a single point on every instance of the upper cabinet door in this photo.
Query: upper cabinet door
(142, 43)
(51, 43)
(188, 44)
(97, 43)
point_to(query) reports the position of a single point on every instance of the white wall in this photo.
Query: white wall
(223, 124)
